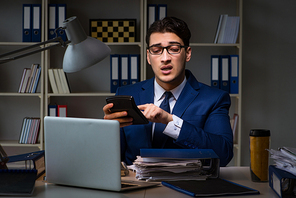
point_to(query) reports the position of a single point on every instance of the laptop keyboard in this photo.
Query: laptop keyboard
(14, 182)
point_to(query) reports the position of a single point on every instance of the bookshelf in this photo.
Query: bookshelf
(91, 86)
(16, 106)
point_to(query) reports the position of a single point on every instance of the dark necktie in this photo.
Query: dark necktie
(158, 137)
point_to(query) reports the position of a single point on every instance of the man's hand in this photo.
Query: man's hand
(121, 117)
(155, 114)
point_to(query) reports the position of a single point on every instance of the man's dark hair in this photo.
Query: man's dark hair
(172, 25)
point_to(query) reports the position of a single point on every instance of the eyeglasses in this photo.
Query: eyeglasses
(171, 49)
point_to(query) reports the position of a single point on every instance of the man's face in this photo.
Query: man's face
(169, 69)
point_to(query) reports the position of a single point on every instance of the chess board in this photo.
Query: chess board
(121, 30)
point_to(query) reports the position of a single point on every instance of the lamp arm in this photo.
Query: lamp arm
(59, 43)
(3, 158)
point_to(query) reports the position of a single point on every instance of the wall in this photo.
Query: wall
(269, 71)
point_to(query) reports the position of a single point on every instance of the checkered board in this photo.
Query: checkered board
(123, 30)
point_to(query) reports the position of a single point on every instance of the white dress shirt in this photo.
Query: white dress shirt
(173, 128)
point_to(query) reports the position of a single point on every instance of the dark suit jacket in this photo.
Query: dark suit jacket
(204, 111)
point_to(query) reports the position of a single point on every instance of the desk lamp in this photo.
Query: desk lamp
(82, 51)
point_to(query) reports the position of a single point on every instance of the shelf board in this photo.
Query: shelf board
(234, 95)
(83, 94)
(124, 43)
(16, 144)
(213, 45)
(18, 43)
(20, 94)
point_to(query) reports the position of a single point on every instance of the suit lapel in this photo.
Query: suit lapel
(146, 95)
(187, 96)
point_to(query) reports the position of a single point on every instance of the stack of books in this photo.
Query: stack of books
(30, 131)
(227, 29)
(58, 81)
(30, 79)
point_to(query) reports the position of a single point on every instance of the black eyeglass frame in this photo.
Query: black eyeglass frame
(181, 46)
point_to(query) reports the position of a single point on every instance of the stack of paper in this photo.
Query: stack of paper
(285, 159)
(152, 169)
(175, 164)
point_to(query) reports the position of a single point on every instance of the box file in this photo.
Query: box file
(27, 26)
(162, 11)
(62, 111)
(234, 74)
(124, 69)
(52, 20)
(152, 14)
(281, 182)
(224, 75)
(36, 23)
(52, 110)
(134, 68)
(61, 17)
(215, 71)
(29, 161)
(114, 72)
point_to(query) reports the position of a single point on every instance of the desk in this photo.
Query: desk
(240, 175)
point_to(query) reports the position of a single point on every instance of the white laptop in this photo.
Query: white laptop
(85, 153)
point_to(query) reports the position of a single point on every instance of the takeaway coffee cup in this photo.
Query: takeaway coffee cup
(259, 143)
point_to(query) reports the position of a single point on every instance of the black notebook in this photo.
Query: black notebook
(17, 182)
(209, 187)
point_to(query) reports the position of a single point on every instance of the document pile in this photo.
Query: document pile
(285, 159)
(170, 164)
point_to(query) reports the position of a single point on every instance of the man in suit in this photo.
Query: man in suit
(197, 117)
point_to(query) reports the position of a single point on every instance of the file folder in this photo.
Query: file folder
(52, 20)
(234, 73)
(134, 68)
(27, 26)
(15, 182)
(32, 161)
(61, 17)
(124, 70)
(114, 72)
(36, 23)
(224, 84)
(52, 110)
(215, 80)
(209, 187)
(62, 111)
(152, 14)
(282, 182)
(162, 11)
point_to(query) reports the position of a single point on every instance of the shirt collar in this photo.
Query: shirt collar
(159, 91)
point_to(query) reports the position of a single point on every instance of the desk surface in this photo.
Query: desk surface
(240, 175)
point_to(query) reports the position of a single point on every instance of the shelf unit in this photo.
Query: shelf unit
(15, 106)
(90, 94)
(90, 87)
